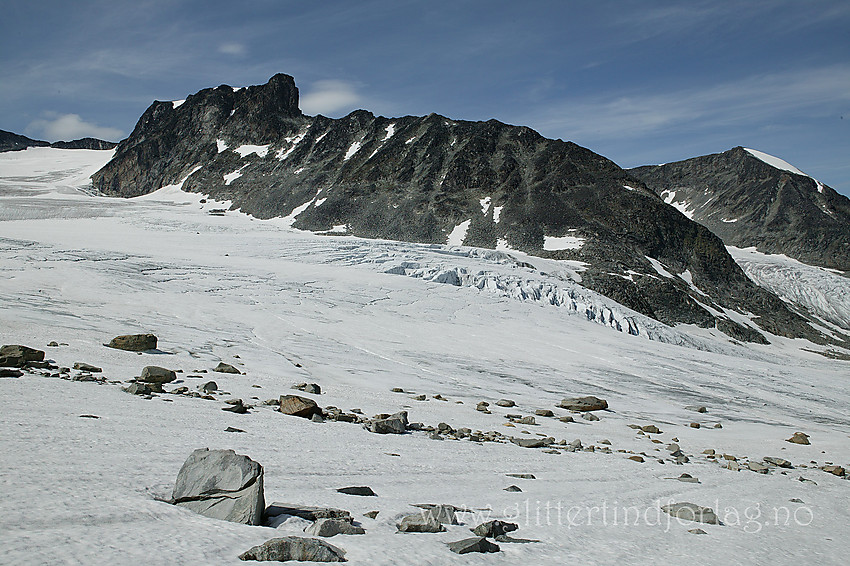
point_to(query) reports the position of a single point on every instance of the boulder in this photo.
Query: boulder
(651, 429)
(393, 424)
(312, 388)
(82, 366)
(835, 470)
(529, 442)
(300, 549)
(133, 342)
(208, 387)
(691, 512)
(779, 462)
(444, 514)
(307, 512)
(156, 374)
(10, 372)
(333, 527)
(223, 485)
(423, 522)
(799, 438)
(475, 544)
(298, 406)
(494, 528)
(506, 403)
(513, 488)
(544, 413)
(138, 389)
(15, 355)
(226, 368)
(583, 404)
(363, 491)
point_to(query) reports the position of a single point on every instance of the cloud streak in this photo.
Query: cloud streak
(329, 97)
(750, 101)
(67, 127)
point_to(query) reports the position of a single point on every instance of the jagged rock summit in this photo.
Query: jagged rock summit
(750, 198)
(431, 179)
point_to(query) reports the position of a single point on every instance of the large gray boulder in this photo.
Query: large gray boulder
(15, 355)
(300, 549)
(393, 424)
(583, 404)
(223, 485)
(133, 342)
(156, 374)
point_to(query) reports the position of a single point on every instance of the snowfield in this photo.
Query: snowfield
(359, 318)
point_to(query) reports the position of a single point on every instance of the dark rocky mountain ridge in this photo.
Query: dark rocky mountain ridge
(421, 179)
(15, 142)
(748, 202)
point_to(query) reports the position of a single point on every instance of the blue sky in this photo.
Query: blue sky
(637, 81)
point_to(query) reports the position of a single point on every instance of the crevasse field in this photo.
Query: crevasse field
(360, 317)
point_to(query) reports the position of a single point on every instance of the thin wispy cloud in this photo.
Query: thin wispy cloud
(233, 48)
(752, 100)
(329, 97)
(67, 127)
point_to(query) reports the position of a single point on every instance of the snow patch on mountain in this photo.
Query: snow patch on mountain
(259, 150)
(682, 206)
(774, 161)
(458, 234)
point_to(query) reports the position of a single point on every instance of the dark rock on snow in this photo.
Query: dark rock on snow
(691, 512)
(299, 549)
(307, 512)
(494, 528)
(476, 544)
(298, 406)
(82, 366)
(392, 424)
(156, 374)
(15, 355)
(364, 491)
(134, 342)
(312, 388)
(583, 404)
(226, 368)
(333, 527)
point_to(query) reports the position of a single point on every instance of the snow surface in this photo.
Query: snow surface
(659, 267)
(824, 293)
(177, 103)
(360, 317)
(390, 131)
(553, 243)
(774, 161)
(221, 145)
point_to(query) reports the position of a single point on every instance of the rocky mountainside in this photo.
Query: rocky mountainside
(752, 199)
(435, 180)
(15, 142)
